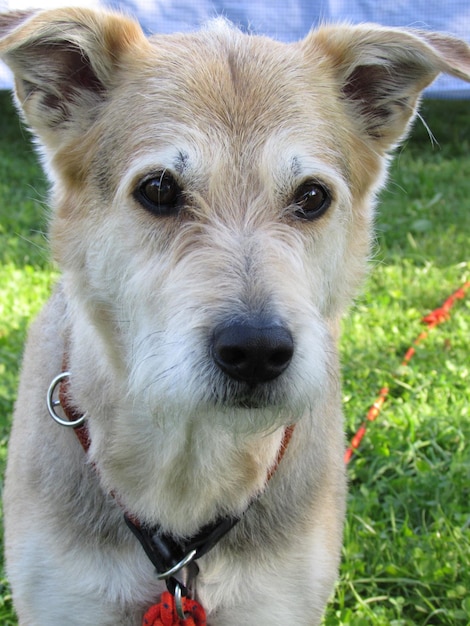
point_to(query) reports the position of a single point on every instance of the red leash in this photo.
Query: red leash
(436, 317)
(165, 614)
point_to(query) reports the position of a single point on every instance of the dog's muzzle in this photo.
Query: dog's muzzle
(252, 353)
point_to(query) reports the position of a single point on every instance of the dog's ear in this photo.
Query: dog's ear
(381, 72)
(64, 61)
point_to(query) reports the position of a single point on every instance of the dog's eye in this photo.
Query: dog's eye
(159, 194)
(312, 200)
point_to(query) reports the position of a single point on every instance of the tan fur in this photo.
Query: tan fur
(241, 122)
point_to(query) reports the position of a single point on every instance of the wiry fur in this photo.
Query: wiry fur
(241, 122)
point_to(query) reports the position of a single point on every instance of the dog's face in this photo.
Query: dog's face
(224, 216)
(213, 195)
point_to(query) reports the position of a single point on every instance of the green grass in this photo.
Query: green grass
(407, 539)
(26, 275)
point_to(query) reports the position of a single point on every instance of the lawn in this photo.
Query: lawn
(407, 539)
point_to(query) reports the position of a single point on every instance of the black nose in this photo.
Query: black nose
(251, 354)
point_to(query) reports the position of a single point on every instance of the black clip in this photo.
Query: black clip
(170, 556)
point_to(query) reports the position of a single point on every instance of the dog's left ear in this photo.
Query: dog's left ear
(65, 61)
(381, 72)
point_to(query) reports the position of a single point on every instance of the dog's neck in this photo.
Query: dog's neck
(164, 551)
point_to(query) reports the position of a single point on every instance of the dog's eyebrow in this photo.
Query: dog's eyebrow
(296, 166)
(181, 162)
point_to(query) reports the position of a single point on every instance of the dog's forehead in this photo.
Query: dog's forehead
(234, 79)
(223, 56)
(221, 93)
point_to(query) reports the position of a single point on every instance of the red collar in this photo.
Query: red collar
(73, 414)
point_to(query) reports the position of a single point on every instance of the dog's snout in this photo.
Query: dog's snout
(252, 354)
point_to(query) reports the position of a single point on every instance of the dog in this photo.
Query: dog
(213, 197)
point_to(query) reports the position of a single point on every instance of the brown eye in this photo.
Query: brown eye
(312, 200)
(160, 194)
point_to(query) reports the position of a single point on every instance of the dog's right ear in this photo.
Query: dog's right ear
(65, 61)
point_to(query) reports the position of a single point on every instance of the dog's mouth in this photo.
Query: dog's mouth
(249, 402)
(254, 408)
(238, 395)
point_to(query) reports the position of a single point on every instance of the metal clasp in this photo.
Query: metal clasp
(52, 403)
(189, 569)
(178, 567)
(179, 602)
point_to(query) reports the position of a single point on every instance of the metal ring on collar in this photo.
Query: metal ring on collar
(51, 404)
(179, 566)
(179, 603)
